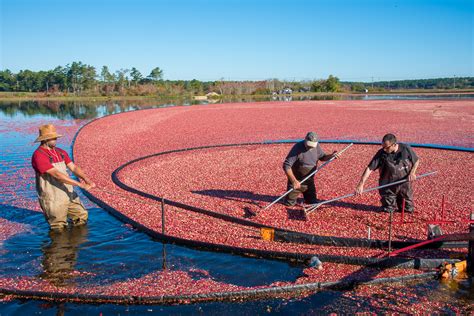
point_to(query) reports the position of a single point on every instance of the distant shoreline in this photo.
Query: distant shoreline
(37, 96)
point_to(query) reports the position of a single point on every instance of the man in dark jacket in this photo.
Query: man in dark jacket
(395, 161)
(300, 162)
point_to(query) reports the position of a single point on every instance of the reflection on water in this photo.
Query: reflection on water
(68, 110)
(460, 284)
(60, 254)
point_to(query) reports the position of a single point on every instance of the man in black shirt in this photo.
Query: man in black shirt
(396, 161)
(300, 162)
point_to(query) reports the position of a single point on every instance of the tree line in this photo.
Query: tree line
(78, 78)
(428, 84)
(81, 79)
(74, 78)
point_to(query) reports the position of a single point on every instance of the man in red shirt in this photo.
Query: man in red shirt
(53, 184)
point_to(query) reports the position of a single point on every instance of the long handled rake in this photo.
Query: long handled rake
(307, 177)
(317, 205)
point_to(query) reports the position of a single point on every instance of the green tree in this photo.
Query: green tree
(156, 74)
(358, 87)
(60, 78)
(26, 80)
(195, 86)
(88, 77)
(41, 81)
(317, 86)
(7, 80)
(73, 73)
(80, 76)
(122, 79)
(136, 76)
(332, 84)
(106, 76)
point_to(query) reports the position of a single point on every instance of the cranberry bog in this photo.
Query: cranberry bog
(216, 167)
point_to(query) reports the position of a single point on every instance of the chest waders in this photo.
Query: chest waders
(58, 200)
(392, 197)
(308, 188)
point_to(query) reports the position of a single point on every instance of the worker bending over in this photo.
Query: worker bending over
(300, 162)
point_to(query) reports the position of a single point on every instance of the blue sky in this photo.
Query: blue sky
(244, 40)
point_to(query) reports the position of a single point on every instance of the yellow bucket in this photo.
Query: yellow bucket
(267, 233)
(461, 266)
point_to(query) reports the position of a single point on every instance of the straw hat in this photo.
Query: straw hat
(47, 132)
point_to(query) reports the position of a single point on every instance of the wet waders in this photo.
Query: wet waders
(58, 200)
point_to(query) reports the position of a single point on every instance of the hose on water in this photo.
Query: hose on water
(259, 293)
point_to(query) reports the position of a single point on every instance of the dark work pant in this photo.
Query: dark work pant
(307, 188)
(392, 197)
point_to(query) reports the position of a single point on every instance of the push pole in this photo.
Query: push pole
(309, 176)
(315, 206)
(163, 230)
(470, 256)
